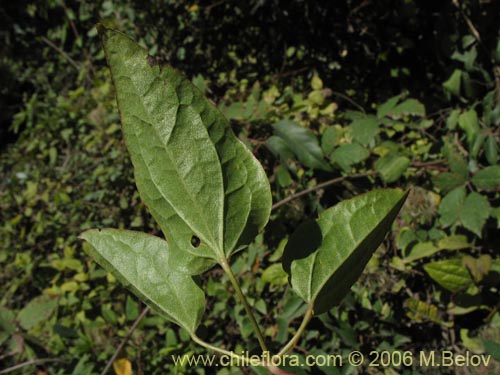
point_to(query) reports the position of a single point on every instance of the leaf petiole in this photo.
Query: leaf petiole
(293, 341)
(227, 268)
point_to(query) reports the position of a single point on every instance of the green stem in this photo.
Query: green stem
(293, 341)
(199, 341)
(227, 268)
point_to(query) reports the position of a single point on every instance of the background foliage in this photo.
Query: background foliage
(386, 93)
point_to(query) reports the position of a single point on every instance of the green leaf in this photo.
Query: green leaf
(479, 267)
(469, 122)
(491, 150)
(392, 166)
(453, 83)
(450, 274)
(279, 148)
(492, 347)
(201, 184)
(36, 311)
(329, 140)
(349, 154)
(316, 83)
(452, 120)
(451, 206)
(275, 275)
(408, 107)
(420, 311)
(421, 250)
(143, 263)
(455, 242)
(448, 181)
(387, 106)
(325, 257)
(303, 143)
(475, 212)
(364, 130)
(471, 211)
(488, 178)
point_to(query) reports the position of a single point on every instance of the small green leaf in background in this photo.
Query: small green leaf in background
(451, 274)
(316, 83)
(325, 257)
(387, 106)
(471, 211)
(283, 176)
(279, 148)
(469, 122)
(454, 242)
(143, 263)
(275, 275)
(421, 250)
(392, 166)
(303, 143)
(487, 179)
(492, 347)
(491, 150)
(365, 129)
(452, 120)
(131, 308)
(452, 85)
(420, 311)
(349, 154)
(329, 140)
(448, 181)
(451, 206)
(476, 210)
(479, 267)
(36, 311)
(408, 107)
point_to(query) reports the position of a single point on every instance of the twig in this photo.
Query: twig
(61, 52)
(345, 97)
(30, 363)
(77, 36)
(125, 339)
(320, 186)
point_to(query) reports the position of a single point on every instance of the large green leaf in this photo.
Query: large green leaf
(303, 143)
(143, 263)
(325, 257)
(205, 189)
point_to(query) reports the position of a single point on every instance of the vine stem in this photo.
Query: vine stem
(321, 186)
(216, 349)
(293, 341)
(227, 268)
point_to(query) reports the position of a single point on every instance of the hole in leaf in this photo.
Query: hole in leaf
(195, 241)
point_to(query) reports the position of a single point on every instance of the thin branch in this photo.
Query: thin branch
(320, 186)
(125, 339)
(77, 36)
(61, 52)
(345, 97)
(31, 362)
